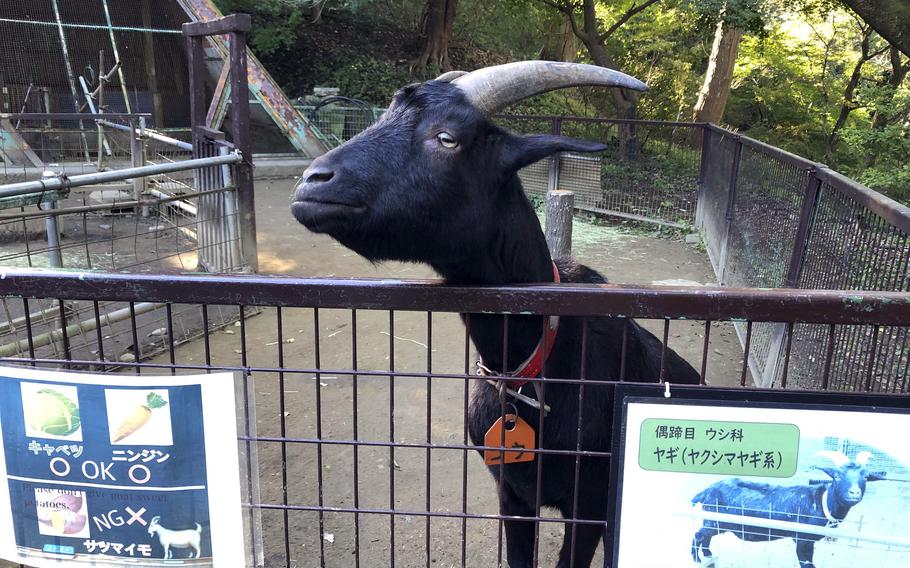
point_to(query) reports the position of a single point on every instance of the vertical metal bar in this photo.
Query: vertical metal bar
(746, 353)
(244, 362)
(502, 438)
(71, 77)
(110, 31)
(783, 380)
(392, 436)
(464, 441)
(429, 427)
(625, 348)
(828, 357)
(137, 352)
(29, 333)
(873, 349)
(54, 255)
(731, 207)
(282, 432)
(541, 415)
(205, 337)
(704, 352)
(804, 230)
(553, 173)
(99, 336)
(583, 374)
(172, 354)
(137, 159)
(663, 349)
(355, 379)
(240, 130)
(317, 377)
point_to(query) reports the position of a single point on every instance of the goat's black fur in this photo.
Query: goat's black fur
(396, 192)
(792, 503)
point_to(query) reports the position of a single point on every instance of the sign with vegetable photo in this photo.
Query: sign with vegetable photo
(107, 470)
(760, 479)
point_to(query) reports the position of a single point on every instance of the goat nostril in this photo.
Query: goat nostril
(319, 176)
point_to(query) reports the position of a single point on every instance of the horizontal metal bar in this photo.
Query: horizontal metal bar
(802, 528)
(418, 445)
(60, 182)
(148, 133)
(116, 204)
(772, 151)
(437, 514)
(70, 115)
(89, 26)
(568, 299)
(883, 206)
(222, 25)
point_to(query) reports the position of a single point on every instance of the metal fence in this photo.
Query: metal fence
(649, 171)
(773, 219)
(361, 388)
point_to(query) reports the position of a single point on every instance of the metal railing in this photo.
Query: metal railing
(362, 438)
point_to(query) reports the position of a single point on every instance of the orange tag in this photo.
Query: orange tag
(518, 434)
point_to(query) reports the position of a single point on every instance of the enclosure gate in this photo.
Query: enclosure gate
(360, 390)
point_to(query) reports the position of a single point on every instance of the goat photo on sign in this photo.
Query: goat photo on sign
(435, 182)
(830, 494)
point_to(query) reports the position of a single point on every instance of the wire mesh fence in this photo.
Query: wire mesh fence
(774, 219)
(362, 393)
(47, 45)
(649, 171)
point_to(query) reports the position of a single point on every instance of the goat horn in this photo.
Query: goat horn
(493, 88)
(839, 459)
(450, 76)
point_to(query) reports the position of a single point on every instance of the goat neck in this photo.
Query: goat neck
(516, 253)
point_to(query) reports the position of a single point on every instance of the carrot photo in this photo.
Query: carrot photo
(138, 417)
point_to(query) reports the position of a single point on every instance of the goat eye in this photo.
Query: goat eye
(447, 140)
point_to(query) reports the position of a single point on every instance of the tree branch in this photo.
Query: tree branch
(569, 10)
(630, 13)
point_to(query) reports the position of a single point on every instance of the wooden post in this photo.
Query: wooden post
(560, 209)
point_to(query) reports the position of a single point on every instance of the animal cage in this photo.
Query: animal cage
(359, 391)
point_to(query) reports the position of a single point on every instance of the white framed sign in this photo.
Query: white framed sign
(759, 479)
(113, 470)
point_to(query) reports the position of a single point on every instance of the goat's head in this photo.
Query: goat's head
(425, 182)
(154, 525)
(848, 476)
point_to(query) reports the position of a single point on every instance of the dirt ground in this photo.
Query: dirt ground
(441, 480)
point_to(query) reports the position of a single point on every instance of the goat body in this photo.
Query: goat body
(820, 504)
(181, 539)
(435, 181)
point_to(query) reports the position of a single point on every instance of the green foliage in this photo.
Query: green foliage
(369, 79)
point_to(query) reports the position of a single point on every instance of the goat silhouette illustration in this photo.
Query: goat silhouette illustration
(181, 539)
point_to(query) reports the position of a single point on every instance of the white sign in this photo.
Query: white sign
(111, 470)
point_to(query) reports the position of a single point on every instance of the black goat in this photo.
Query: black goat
(823, 504)
(435, 181)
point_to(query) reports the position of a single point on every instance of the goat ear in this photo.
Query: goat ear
(832, 472)
(876, 476)
(520, 151)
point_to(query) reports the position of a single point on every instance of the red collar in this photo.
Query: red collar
(533, 365)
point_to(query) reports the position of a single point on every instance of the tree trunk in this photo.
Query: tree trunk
(563, 45)
(890, 18)
(439, 16)
(712, 98)
(849, 105)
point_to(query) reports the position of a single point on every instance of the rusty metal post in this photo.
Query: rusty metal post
(553, 173)
(235, 26)
(137, 159)
(804, 230)
(731, 208)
